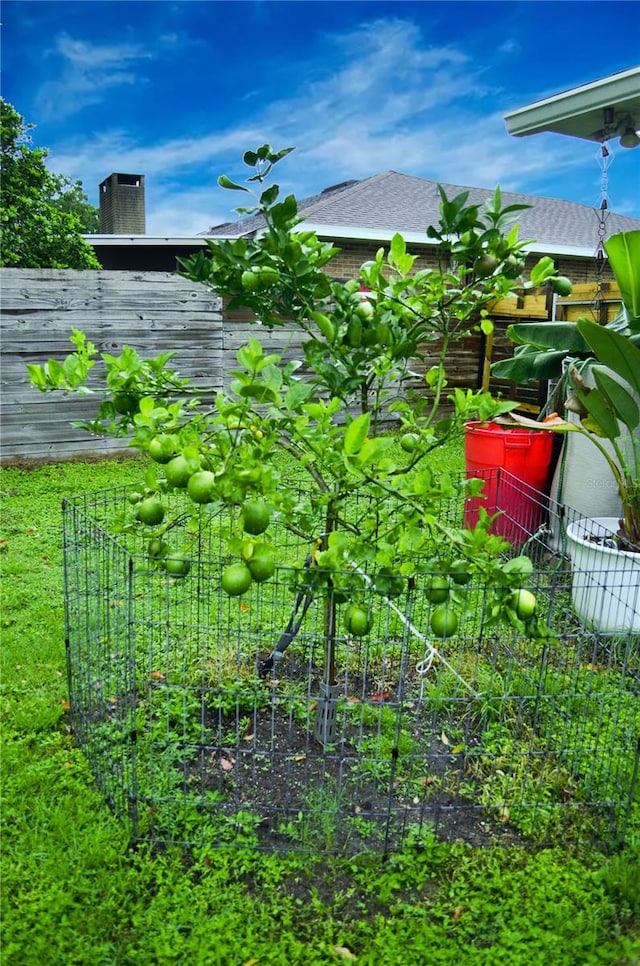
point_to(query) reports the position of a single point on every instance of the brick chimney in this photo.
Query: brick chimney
(122, 205)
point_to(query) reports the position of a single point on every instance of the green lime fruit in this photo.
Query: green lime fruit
(200, 486)
(485, 265)
(151, 511)
(409, 442)
(436, 589)
(157, 548)
(134, 497)
(179, 471)
(562, 285)
(365, 310)
(255, 517)
(236, 579)
(266, 276)
(176, 565)
(161, 449)
(524, 603)
(125, 403)
(249, 280)
(357, 621)
(459, 572)
(262, 563)
(512, 267)
(444, 622)
(260, 277)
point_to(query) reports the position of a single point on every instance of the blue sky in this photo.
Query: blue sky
(178, 90)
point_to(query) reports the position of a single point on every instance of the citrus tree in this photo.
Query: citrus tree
(360, 339)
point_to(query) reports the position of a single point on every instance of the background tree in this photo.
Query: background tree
(42, 215)
(71, 197)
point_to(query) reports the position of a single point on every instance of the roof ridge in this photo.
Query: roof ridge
(408, 202)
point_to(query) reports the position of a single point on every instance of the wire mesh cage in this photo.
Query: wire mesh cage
(210, 720)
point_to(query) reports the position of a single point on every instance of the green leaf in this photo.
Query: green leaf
(399, 256)
(259, 392)
(518, 565)
(542, 270)
(356, 433)
(325, 325)
(297, 394)
(549, 335)
(250, 355)
(269, 195)
(225, 182)
(623, 403)
(623, 251)
(151, 477)
(37, 377)
(373, 450)
(54, 372)
(285, 211)
(613, 350)
(282, 153)
(602, 419)
(146, 405)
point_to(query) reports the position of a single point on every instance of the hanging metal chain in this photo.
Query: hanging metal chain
(605, 158)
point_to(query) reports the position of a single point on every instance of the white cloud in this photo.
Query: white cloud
(182, 211)
(94, 159)
(88, 72)
(379, 97)
(95, 57)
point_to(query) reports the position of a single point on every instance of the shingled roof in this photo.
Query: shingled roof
(377, 207)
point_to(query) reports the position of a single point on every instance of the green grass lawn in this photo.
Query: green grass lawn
(75, 892)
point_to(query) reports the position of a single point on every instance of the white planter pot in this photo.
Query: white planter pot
(605, 581)
(582, 480)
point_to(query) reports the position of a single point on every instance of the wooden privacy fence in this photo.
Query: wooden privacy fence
(157, 311)
(151, 311)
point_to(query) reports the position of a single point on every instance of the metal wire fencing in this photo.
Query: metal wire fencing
(209, 720)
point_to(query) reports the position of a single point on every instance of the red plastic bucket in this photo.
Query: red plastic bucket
(515, 464)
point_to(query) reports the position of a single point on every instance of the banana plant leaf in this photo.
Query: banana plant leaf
(624, 404)
(623, 252)
(613, 350)
(541, 348)
(601, 419)
(530, 365)
(560, 336)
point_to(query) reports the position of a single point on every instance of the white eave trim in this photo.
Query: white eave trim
(144, 240)
(619, 91)
(326, 232)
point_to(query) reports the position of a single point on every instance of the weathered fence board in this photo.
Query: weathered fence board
(152, 312)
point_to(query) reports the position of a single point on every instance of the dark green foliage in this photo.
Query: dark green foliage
(43, 215)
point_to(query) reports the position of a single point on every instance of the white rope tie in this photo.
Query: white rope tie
(423, 666)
